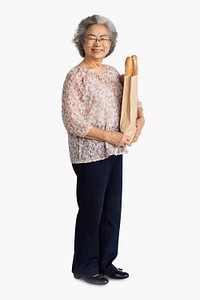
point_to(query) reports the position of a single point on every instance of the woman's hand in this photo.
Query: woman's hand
(118, 139)
(139, 125)
(115, 138)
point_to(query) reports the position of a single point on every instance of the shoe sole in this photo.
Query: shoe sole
(88, 281)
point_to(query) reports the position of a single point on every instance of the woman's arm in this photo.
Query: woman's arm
(113, 137)
(73, 108)
(139, 123)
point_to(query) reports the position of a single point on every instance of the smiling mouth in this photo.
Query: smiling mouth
(97, 50)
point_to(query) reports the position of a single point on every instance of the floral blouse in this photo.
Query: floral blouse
(91, 99)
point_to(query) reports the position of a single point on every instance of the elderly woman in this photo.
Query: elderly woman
(91, 101)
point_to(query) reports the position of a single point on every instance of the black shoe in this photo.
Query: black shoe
(98, 279)
(119, 274)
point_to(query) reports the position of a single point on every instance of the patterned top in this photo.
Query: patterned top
(91, 99)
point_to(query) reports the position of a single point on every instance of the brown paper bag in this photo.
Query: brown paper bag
(129, 106)
(130, 96)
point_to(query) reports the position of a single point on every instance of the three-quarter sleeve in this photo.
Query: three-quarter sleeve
(74, 106)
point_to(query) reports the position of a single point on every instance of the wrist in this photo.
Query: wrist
(106, 136)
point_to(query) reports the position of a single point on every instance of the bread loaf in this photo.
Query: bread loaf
(135, 64)
(131, 66)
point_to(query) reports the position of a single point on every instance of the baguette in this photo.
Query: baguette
(131, 66)
(135, 64)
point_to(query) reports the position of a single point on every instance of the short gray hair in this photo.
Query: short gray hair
(86, 23)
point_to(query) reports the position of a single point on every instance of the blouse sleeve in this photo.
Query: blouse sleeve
(139, 103)
(74, 107)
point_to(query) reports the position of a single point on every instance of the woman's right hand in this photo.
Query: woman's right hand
(115, 138)
(118, 139)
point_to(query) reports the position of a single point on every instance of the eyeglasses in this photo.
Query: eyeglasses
(91, 40)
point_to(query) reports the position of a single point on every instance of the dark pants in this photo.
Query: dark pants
(99, 194)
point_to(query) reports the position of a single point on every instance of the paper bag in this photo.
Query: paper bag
(129, 106)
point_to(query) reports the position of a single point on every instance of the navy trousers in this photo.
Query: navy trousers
(99, 197)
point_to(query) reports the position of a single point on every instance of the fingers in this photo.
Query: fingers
(128, 144)
(127, 140)
(123, 140)
(119, 139)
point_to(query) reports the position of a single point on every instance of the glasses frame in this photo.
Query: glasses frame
(93, 40)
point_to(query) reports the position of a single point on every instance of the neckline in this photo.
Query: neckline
(94, 71)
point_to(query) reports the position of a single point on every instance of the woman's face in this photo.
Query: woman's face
(97, 42)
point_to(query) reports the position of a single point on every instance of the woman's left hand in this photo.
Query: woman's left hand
(139, 125)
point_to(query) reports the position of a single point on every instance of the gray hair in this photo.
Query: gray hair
(86, 23)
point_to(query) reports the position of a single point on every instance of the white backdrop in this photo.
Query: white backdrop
(159, 238)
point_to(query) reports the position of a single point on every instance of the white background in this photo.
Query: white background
(159, 238)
